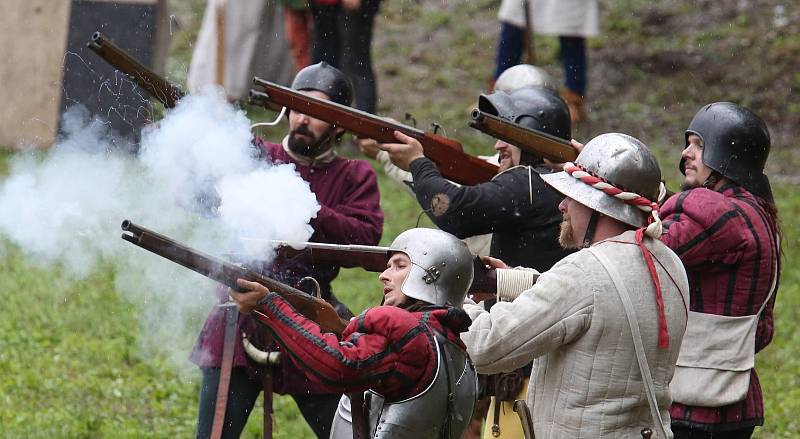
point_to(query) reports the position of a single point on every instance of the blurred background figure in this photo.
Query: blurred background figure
(343, 39)
(298, 26)
(572, 21)
(239, 40)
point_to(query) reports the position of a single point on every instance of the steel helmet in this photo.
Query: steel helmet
(736, 144)
(524, 75)
(623, 162)
(441, 266)
(532, 107)
(327, 79)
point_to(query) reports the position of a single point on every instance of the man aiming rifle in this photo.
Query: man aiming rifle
(350, 213)
(406, 355)
(516, 207)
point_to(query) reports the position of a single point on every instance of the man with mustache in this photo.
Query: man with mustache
(350, 213)
(605, 324)
(406, 355)
(724, 226)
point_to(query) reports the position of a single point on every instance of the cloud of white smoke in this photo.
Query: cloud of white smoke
(197, 178)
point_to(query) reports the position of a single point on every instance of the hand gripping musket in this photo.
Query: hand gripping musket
(155, 85)
(448, 154)
(533, 141)
(226, 273)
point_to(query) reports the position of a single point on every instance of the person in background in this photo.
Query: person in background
(298, 25)
(343, 39)
(572, 21)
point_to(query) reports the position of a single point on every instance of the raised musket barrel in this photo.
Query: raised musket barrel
(97, 40)
(475, 115)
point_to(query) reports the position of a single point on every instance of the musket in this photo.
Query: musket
(448, 154)
(368, 257)
(226, 273)
(533, 141)
(374, 259)
(154, 84)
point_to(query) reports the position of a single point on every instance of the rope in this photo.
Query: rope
(653, 230)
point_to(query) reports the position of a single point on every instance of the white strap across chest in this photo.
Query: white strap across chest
(633, 321)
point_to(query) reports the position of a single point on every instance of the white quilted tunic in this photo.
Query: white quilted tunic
(585, 381)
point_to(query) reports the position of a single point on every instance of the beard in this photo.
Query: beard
(686, 185)
(308, 148)
(566, 237)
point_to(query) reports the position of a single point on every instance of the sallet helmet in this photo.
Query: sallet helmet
(532, 107)
(622, 161)
(327, 79)
(441, 266)
(524, 75)
(736, 144)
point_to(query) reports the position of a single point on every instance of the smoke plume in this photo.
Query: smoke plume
(197, 178)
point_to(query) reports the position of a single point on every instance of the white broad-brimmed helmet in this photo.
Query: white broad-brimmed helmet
(623, 162)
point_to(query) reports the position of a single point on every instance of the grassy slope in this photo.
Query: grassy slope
(69, 365)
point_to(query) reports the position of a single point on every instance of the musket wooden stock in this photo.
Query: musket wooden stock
(226, 273)
(368, 257)
(449, 156)
(155, 85)
(529, 140)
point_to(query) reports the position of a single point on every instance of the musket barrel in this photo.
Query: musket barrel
(157, 86)
(227, 273)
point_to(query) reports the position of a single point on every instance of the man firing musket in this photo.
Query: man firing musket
(350, 213)
(402, 363)
(406, 355)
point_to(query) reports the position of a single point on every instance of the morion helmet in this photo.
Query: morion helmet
(623, 162)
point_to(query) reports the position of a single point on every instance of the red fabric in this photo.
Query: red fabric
(298, 27)
(727, 242)
(663, 333)
(386, 349)
(348, 192)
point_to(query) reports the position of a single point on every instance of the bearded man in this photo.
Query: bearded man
(350, 213)
(604, 325)
(724, 227)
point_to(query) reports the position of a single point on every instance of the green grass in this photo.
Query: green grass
(72, 362)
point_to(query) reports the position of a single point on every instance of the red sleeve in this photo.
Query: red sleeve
(358, 218)
(702, 227)
(386, 349)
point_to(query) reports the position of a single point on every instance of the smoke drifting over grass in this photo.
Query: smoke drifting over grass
(197, 178)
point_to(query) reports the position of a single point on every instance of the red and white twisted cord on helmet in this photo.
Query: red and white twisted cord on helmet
(653, 229)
